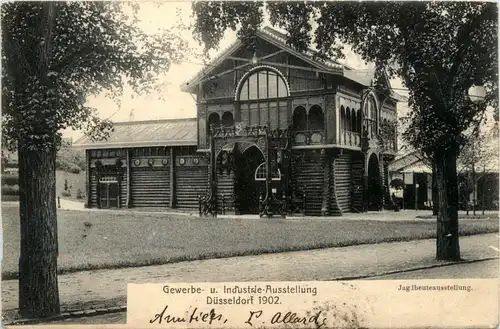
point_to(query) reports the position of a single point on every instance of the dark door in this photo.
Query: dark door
(374, 184)
(109, 194)
(248, 189)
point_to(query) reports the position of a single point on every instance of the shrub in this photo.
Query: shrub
(62, 164)
(74, 169)
(10, 189)
(397, 183)
(79, 194)
(10, 179)
(66, 193)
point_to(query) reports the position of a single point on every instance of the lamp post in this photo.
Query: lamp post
(476, 95)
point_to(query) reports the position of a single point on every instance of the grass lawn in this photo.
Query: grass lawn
(91, 240)
(76, 181)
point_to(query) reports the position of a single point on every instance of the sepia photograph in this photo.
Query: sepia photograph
(249, 154)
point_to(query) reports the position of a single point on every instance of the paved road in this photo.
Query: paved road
(112, 318)
(480, 270)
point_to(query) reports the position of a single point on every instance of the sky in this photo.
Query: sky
(175, 104)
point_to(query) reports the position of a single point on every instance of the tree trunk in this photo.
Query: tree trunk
(434, 192)
(447, 246)
(38, 288)
(483, 189)
(474, 189)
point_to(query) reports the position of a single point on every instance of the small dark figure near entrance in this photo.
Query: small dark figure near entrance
(397, 188)
(395, 202)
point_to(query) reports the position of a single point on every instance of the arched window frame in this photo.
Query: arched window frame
(224, 118)
(299, 112)
(347, 119)
(210, 122)
(342, 118)
(257, 109)
(256, 72)
(320, 119)
(260, 173)
(370, 112)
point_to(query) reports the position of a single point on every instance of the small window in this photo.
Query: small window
(299, 118)
(227, 119)
(260, 173)
(213, 120)
(108, 179)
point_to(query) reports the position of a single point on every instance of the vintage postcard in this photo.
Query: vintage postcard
(250, 164)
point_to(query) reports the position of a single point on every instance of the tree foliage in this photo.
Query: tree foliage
(56, 54)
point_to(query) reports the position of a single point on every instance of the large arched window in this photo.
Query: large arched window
(370, 113)
(263, 84)
(262, 95)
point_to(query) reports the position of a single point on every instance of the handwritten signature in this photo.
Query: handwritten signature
(289, 318)
(195, 316)
(257, 317)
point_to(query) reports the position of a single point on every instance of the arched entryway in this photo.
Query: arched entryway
(247, 189)
(374, 181)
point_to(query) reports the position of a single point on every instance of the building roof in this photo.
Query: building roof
(172, 132)
(363, 77)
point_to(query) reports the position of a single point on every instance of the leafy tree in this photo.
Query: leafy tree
(438, 49)
(55, 55)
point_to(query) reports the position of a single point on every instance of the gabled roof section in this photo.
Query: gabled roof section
(364, 77)
(274, 37)
(173, 132)
(278, 39)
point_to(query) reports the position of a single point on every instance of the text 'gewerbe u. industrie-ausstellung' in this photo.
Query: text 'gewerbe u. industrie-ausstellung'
(253, 294)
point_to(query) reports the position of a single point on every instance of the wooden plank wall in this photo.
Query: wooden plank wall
(93, 188)
(358, 169)
(150, 186)
(225, 185)
(343, 181)
(307, 173)
(189, 182)
(123, 190)
(333, 206)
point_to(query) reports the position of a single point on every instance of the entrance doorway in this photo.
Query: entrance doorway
(247, 189)
(108, 193)
(374, 184)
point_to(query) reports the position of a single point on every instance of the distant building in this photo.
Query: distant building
(417, 177)
(277, 131)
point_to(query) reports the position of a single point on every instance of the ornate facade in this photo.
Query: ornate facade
(281, 132)
(319, 133)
